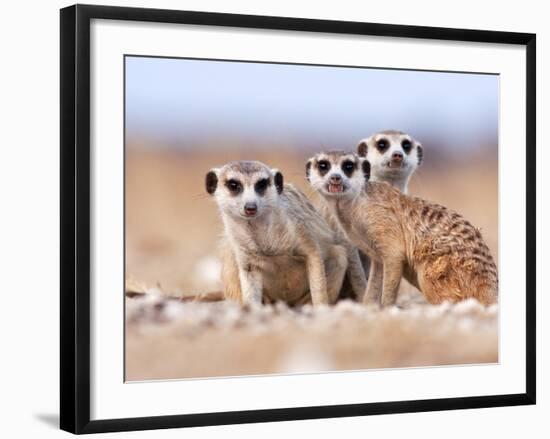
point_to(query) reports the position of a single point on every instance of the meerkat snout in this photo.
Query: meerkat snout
(393, 155)
(245, 189)
(250, 209)
(396, 158)
(336, 173)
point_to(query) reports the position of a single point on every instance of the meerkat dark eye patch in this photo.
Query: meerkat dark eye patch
(261, 185)
(406, 145)
(211, 182)
(278, 180)
(362, 149)
(365, 166)
(234, 186)
(420, 154)
(348, 167)
(382, 144)
(323, 166)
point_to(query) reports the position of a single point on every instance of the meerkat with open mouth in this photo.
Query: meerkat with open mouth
(434, 248)
(393, 155)
(276, 245)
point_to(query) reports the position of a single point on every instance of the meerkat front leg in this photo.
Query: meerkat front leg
(374, 284)
(316, 276)
(251, 280)
(336, 265)
(393, 272)
(356, 273)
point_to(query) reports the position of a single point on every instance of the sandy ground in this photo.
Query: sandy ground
(172, 231)
(169, 339)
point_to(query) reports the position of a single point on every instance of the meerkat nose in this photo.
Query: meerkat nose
(335, 178)
(250, 209)
(397, 156)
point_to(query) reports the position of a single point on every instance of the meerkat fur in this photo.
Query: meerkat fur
(434, 248)
(276, 246)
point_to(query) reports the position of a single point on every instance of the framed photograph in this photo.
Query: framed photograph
(275, 218)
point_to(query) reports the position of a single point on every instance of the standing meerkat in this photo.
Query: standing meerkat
(393, 156)
(434, 248)
(276, 246)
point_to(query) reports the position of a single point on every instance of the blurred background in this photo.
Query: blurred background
(184, 117)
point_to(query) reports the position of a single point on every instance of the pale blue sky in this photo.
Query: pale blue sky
(185, 102)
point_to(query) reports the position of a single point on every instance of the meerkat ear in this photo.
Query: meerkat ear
(308, 168)
(420, 153)
(363, 147)
(211, 181)
(278, 180)
(365, 166)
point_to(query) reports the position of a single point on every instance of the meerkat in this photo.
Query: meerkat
(393, 156)
(434, 248)
(355, 279)
(276, 245)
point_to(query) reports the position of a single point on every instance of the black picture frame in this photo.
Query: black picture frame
(75, 217)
